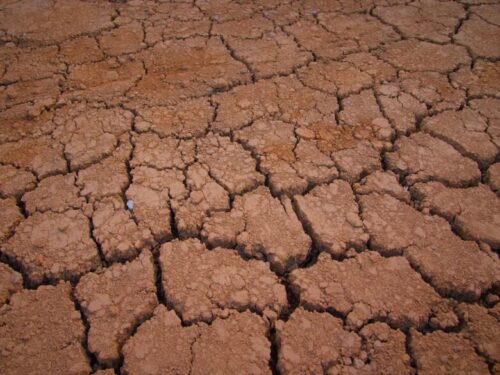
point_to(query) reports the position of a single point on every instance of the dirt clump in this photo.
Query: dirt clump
(198, 293)
(362, 298)
(114, 302)
(52, 342)
(53, 246)
(235, 344)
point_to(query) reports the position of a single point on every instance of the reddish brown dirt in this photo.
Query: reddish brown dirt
(249, 187)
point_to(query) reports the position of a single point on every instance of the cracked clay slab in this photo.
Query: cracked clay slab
(366, 287)
(265, 218)
(162, 345)
(204, 284)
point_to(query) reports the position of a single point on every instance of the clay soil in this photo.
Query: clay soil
(249, 187)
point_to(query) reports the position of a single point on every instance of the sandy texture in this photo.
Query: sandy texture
(255, 187)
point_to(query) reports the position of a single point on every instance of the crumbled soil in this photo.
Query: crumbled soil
(257, 187)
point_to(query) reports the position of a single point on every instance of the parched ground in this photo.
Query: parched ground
(249, 187)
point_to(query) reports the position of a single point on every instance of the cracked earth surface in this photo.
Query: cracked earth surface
(257, 187)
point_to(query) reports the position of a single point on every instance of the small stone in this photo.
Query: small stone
(130, 204)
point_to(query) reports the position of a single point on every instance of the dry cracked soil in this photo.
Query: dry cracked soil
(250, 187)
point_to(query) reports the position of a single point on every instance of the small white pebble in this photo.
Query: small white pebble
(130, 204)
